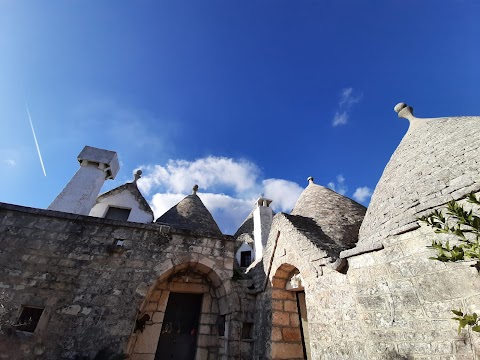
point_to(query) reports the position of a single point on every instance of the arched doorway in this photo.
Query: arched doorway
(289, 338)
(182, 317)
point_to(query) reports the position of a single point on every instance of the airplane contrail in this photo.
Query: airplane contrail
(36, 142)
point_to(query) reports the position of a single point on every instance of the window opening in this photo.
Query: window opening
(116, 213)
(247, 331)
(245, 258)
(29, 318)
(221, 325)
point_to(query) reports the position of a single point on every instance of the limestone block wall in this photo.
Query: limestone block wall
(392, 303)
(92, 292)
(403, 300)
(329, 301)
(143, 345)
(286, 337)
(334, 326)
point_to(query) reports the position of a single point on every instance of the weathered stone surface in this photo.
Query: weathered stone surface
(384, 300)
(92, 295)
(435, 162)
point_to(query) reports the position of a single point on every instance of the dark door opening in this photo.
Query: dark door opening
(178, 338)
(302, 313)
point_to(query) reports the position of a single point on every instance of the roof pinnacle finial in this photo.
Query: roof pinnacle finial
(195, 189)
(404, 111)
(137, 175)
(310, 180)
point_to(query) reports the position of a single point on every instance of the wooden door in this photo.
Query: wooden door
(178, 338)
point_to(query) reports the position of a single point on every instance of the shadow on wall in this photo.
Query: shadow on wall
(393, 355)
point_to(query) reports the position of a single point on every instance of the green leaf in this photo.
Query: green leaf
(476, 328)
(457, 312)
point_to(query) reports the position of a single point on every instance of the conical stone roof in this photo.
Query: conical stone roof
(245, 231)
(338, 216)
(436, 161)
(191, 214)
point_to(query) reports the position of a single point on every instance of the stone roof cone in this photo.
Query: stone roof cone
(191, 214)
(338, 216)
(423, 173)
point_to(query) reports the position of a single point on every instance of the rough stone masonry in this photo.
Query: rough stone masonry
(330, 280)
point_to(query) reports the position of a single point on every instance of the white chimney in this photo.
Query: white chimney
(80, 194)
(262, 221)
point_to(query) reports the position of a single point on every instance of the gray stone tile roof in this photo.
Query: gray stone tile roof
(191, 214)
(338, 217)
(246, 228)
(309, 228)
(133, 189)
(436, 161)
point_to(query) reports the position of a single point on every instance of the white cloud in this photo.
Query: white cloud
(228, 188)
(339, 186)
(347, 100)
(179, 176)
(283, 193)
(340, 118)
(10, 162)
(361, 194)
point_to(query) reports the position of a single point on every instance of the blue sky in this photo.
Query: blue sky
(242, 97)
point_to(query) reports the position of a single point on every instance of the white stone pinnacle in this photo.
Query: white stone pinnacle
(404, 111)
(81, 192)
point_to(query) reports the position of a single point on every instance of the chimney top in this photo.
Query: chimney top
(261, 201)
(195, 189)
(105, 159)
(310, 179)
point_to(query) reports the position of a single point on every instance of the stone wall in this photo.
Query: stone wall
(143, 344)
(286, 338)
(92, 291)
(390, 303)
(277, 328)
(404, 300)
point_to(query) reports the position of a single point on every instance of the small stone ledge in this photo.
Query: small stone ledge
(406, 228)
(361, 249)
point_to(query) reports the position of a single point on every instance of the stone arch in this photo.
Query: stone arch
(289, 336)
(187, 274)
(288, 254)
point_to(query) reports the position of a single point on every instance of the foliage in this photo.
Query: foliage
(465, 225)
(465, 319)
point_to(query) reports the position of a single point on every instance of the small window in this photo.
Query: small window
(245, 258)
(221, 325)
(29, 319)
(247, 331)
(116, 213)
